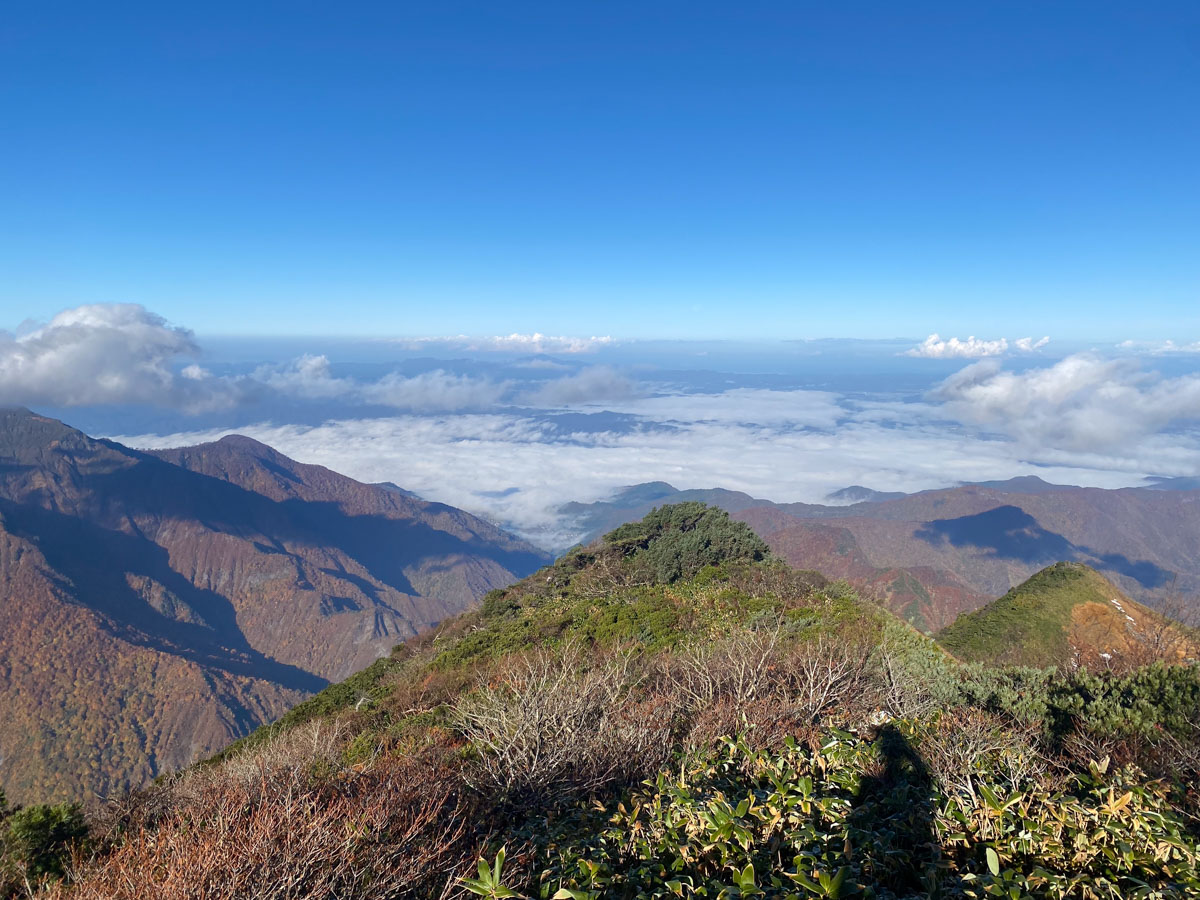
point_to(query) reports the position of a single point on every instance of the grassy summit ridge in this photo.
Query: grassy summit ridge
(1066, 614)
(670, 712)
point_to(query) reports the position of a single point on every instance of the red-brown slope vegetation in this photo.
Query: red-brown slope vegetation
(157, 606)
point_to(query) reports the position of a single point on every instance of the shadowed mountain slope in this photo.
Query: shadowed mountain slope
(155, 606)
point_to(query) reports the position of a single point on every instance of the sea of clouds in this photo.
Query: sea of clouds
(514, 426)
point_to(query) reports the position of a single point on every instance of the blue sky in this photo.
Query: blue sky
(669, 170)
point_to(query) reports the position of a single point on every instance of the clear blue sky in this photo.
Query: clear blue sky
(674, 169)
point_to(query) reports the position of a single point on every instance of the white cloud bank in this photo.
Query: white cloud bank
(1083, 402)
(933, 347)
(457, 459)
(783, 445)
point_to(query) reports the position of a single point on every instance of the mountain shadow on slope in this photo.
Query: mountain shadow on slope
(1008, 532)
(104, 564)
(157, 605)
(383, 545)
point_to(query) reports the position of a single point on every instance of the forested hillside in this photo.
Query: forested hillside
(154, 607)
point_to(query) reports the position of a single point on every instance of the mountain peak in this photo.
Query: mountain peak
(20, 417)
(1066, 615)
(27, 437)
(1023, 484)
(243, 444)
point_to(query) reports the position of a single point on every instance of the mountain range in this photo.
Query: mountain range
(932, 555)
(155, 606)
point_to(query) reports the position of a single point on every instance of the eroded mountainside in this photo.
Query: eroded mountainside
(155, 606)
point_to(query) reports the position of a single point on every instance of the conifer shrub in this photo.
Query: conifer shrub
(675, 542)
(36, 842)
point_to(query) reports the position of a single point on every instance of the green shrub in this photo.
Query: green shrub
(1146, 703)
(857, 816)
(678, 541)
(38, 840)
(1142, 703)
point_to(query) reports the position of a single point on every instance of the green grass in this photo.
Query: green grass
(1029, 625)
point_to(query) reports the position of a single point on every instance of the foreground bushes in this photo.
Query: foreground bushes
(580, 719)
(296, 826)
(859, 817)
(36, 843)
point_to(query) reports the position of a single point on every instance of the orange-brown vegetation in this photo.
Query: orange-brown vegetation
(154, 607)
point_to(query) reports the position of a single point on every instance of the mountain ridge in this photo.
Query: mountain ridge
(934, 554)
(225, 579)
(1067, 615)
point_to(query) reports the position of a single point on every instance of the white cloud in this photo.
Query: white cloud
(1080, 403)
(1028, 344)
(306, 376)
(311, 377)
(933, 347)
(1163, 348)
(456, 459)
(106, 353)
(595, 384)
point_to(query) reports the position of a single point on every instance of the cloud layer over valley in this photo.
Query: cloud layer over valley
(520, 425)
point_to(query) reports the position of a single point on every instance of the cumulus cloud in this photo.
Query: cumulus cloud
(516, 343)
(933, 347)
(106, 353)
(1028, 344)
(1081, 402)
(311, 377)
(595, 384)
(306, 376)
